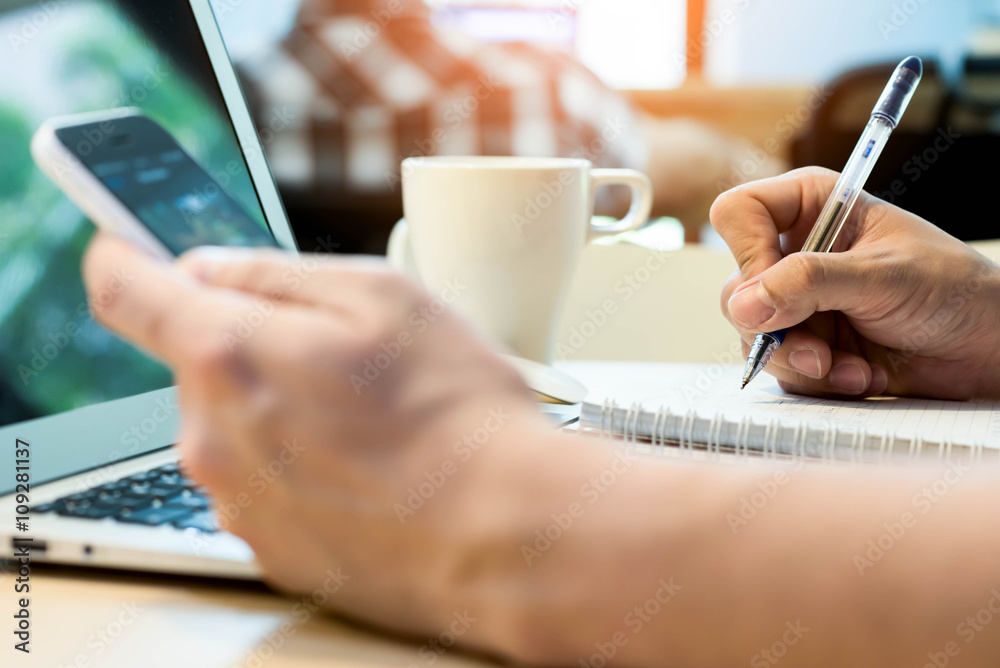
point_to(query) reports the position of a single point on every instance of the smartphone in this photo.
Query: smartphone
(132, 178)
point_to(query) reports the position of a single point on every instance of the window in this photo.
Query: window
(754, 42)
(652, 43)
(628, 43)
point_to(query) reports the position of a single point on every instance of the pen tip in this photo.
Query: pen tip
(913, 64)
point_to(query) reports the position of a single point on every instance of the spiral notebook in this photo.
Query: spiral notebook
(701, 408)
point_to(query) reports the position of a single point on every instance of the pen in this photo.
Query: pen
(885, 117)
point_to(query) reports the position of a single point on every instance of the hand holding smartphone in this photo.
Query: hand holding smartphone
(132, 179)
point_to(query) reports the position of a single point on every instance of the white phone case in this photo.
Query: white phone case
(85, 190)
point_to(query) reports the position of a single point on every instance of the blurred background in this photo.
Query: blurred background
(715, 93)
(701, 94)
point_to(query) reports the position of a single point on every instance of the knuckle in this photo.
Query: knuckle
(393, 286)
(314, 350)
(821, 178)
(252, 275)
(211, 358)
(106, 298)
(815, 172)
(806, 272)
(745, 256)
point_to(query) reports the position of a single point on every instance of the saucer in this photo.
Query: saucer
(551, 385)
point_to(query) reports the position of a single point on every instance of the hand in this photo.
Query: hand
(321, 400)
(902, 308)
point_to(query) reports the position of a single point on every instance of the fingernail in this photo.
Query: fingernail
(849, 377)
(880, 380)
(751, 306)
(805, 361)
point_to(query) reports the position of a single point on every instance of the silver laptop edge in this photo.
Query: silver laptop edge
(136, 432)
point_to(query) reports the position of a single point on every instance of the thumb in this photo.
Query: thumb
(798, 286)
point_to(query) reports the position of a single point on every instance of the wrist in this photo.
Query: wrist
(990, 371)
(552, 574)
(489, 511)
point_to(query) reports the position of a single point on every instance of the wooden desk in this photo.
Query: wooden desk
(91, 619)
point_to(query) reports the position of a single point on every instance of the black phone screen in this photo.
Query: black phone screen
(162, 185)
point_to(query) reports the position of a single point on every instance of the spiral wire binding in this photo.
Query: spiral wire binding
(686, 425)
(888, 443)
(667, 416)
(606, 426)
(775, 428)
(657, 430)
(745, 421)
(691, 424)
(776, 438)
(798, 442)
(738, 436)
(632, 418)
(680, 431)
(687, 433)
(715, 431)
(829, 450)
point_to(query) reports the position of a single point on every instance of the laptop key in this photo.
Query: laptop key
(89, 513)
(142, 477)
(124, 483)
(153, 516)
(203, 521)
(123, 503)
(187, 500)
(72, 508)
(164, 491)
(172, 480)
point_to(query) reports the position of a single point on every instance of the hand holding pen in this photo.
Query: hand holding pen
(885, 117)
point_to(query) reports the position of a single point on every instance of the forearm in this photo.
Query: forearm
(661, 566)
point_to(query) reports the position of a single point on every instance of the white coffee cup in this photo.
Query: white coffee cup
(503, 237)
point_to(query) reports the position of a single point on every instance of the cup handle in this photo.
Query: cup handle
(400, 252)
(642, 200)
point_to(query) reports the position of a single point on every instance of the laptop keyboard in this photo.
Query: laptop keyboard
(157, 497)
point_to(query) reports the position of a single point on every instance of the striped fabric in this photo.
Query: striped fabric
(360, 85)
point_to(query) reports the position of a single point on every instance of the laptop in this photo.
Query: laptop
(88, 471)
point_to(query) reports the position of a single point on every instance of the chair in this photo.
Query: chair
(939, 164)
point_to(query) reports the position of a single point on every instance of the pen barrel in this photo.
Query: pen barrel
(850, 185)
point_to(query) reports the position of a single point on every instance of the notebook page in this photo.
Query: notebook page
(711, 391)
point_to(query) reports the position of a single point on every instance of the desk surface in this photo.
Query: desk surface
(87, 619)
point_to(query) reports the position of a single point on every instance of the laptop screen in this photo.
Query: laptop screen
(70, 57)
